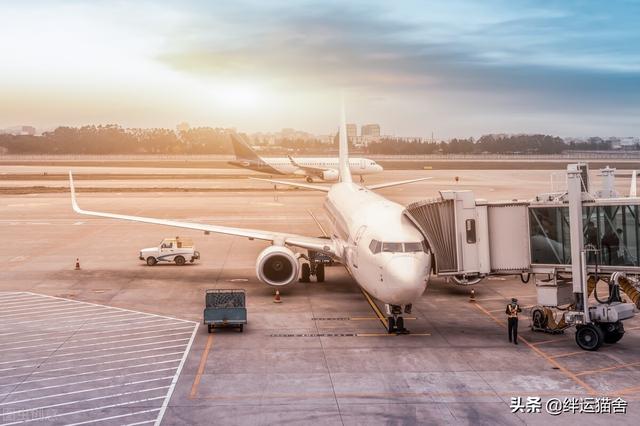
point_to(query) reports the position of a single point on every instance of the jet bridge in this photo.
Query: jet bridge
(568, 240)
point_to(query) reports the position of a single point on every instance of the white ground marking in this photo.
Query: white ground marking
(119, 344)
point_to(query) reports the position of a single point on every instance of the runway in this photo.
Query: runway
(322, 356)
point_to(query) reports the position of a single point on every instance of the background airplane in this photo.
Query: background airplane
(381, 248)
(320, 168)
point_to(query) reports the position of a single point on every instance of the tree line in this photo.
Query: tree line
(113, 139)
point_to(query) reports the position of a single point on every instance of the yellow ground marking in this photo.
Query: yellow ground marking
(390, 334)
(315, 219)
(569, 354)
(547, 341)
(614, 367)
(203, 363)
(375, 318)
(551, 361)
(375, 308)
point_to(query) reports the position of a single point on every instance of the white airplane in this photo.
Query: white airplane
(322, 168)
(380, 247)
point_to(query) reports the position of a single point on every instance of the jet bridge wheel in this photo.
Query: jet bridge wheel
(613, 331)
(589, 337)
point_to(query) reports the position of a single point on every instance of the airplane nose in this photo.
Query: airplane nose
(379, 168)
(405, 277)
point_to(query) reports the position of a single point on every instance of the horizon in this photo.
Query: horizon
(457, 69)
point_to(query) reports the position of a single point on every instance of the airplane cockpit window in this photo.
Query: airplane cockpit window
(392, 247)
(413, 247)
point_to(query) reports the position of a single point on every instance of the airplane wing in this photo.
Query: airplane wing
(312, 243)
(295, 184)
(312, 171)
(396, 183)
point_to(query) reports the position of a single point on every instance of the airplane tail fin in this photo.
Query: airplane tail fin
(242, 150)
(343, 150)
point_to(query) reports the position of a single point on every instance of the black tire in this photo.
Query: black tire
(320, 273)
(309, 179)
(151, 261)
(241, 327)
(589, 337)
(305, 275)
(179, 260)
(538, 318)
(392, 325)
(613, 332)
(209, 328)
(400, 325)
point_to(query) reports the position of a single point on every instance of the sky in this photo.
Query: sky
(457, 68)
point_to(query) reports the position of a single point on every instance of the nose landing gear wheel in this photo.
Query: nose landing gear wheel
(396, 326)
(589, 337)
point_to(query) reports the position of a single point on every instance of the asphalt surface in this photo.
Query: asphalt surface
(321, 356)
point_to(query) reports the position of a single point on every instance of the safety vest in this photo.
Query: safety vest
(512, 310)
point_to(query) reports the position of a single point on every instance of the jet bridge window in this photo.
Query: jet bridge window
(611, 232)
(550, 235)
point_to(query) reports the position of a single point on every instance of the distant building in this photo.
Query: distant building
(19, 131)
(352, 131)
(183, 127)
(370, 130)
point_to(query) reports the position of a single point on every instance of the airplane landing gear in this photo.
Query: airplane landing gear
(396, 321)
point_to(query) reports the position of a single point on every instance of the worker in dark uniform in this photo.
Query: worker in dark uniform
(512, 317)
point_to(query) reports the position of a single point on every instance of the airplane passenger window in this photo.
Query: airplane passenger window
(374, 246)
(413, 247)
(392, 247)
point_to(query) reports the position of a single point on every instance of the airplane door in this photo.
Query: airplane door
(363, 164)
(356, 248)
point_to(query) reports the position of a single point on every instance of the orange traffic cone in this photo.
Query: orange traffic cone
(277, 299)
(472, 298)
(77, 264)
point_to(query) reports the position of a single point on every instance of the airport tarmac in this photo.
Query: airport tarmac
(322, 356)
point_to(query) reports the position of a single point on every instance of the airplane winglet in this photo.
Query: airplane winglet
(397, 183)
(74, 203)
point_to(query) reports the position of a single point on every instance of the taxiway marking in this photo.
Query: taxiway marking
(201, 367)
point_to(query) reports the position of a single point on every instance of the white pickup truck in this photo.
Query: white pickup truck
(177, 250)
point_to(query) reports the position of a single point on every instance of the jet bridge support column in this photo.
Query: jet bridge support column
(574, 193)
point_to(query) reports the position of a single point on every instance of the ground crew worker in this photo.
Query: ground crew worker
(512, 317)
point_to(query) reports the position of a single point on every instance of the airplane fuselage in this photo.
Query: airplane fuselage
(383, 250)
(284, 166)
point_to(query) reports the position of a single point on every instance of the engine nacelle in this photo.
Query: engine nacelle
(277, 266)
(330, 175)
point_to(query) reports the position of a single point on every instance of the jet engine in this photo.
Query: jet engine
(277, 266)
(330, 175)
